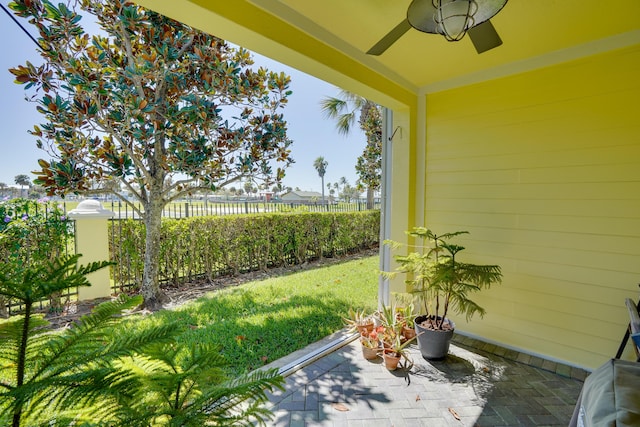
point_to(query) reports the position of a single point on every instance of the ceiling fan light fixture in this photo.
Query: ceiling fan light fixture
(450, 18)
(454, 17)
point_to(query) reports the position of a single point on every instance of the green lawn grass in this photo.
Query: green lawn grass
(259, 322)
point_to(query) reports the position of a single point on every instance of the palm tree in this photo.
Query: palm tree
(248, 188)
(344, 109)
(277, 189)
(321, 166)
(22, 180)
(350, 193)
(343, 182)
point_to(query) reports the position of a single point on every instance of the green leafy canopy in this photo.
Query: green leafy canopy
(149, 107)
(147, 96)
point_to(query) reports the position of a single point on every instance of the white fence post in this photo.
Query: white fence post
(92, 241)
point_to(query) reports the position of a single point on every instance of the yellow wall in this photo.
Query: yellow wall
(543, 169)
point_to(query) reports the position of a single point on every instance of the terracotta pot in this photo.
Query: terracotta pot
(365, 329)
(370, 353)
(408, 333)
(391, 359)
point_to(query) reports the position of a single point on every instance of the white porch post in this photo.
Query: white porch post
(92, 241)
(385, 206)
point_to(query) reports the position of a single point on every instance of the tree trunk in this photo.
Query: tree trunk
(22, 360)
(55, 302)
(4, 310)
(370, 198)
(150, 288)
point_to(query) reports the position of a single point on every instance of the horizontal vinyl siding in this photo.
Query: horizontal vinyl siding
(543, 169)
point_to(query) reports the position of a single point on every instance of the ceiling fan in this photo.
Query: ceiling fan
(450, 18)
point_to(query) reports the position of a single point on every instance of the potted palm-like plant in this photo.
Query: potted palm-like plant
(442, 283)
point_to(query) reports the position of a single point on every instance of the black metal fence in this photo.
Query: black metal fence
(188, 209)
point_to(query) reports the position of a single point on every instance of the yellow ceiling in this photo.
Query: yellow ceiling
(329, 38)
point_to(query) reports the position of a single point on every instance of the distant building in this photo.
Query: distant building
(266, 195)
(306, 197)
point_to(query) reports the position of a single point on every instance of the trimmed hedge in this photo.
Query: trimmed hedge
(209, 247)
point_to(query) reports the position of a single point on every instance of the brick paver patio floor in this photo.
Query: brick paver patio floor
(478, 384)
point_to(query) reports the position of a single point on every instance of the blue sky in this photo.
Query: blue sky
(313, 135)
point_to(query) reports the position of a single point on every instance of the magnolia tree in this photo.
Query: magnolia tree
(150, 106)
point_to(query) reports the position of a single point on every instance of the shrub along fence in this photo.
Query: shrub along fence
(33, 233)
(191, 248)
(209, 247)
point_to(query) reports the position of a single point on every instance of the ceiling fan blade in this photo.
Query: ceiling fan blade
(484, 36)
(391, 37)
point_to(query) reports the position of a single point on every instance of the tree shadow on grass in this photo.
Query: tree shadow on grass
(252, 334)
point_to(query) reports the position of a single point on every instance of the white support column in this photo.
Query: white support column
(92, 241)
(385, 206)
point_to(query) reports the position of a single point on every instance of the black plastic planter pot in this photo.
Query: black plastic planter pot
(433, 344)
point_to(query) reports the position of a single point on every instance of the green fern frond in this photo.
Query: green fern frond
(251, 386)
(101, 369)
(86, 338)
(188, 386)
(40, 281)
